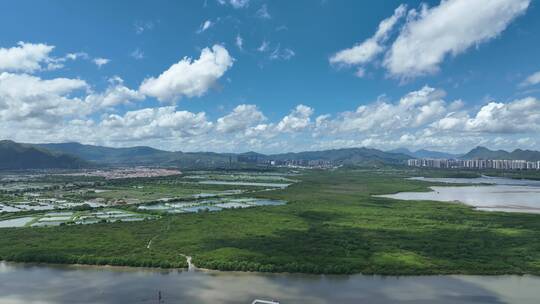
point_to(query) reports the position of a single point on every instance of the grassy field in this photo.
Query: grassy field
(332, 224)
(146, 190)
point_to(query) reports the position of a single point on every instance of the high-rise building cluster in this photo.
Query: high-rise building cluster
(502, 164)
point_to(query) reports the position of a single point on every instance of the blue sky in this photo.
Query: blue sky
(272, 76)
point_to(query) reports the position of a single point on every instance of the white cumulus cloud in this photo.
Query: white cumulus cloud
(298, 120)
(415, 109)
(518, 116)
(239, 42)
(533, 79)
(235, 3)
(25, 57)
(242, 117)
(450, 28)
(239, 3)
(189, 77)
(115, 94)
(162, 122)
(264, 46)
(205, 26)
(101, 61)
(366, 51)
(40, 102)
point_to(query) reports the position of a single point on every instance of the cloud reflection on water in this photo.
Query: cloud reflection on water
(20, 283)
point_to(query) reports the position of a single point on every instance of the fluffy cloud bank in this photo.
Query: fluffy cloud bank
(34, 109)
(419, 119)
(429, 35)
(448, 29)
(116, 94)
(298, 120)
(426, 109)
(163, 122)
(518, 116)
(424, 118)
(25, 57)
(45, 101)
(414, 110)
(40, 102)
(240, 119)
(189, 77)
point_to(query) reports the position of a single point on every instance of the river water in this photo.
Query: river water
(501, 194)
(39, 284)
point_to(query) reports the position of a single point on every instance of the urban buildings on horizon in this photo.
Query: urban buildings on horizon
(500, 164)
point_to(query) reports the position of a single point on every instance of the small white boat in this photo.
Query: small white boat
(257, 301)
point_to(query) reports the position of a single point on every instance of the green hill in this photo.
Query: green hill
(423, 153)
(14, 156)
(485, 153)
(150, 156)
(107, 155)
(529, 155)
(140, 155)
(349, 156)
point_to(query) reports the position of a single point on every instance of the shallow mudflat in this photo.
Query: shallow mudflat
(500, 195)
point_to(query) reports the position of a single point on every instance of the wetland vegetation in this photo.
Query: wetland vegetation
(331, 223)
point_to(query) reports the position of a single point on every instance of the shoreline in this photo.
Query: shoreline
(218, 272)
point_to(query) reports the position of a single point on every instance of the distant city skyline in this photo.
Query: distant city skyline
(254, 75)
(499, 164)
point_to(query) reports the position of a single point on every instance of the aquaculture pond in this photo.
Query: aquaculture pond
(214, 204)
(16, 222)
(44, 205)
(83, 217)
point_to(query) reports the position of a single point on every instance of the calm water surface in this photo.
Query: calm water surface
(233, 183)
(501, 195)
(17, 222)
(22, 283)
(481, 180)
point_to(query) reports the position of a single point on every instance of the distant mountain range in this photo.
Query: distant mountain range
(425, 153)
(150, 156)
(15, 156)
(140, 155)
(75, 155)
(346, 156)
(476, 153)
(485, 153)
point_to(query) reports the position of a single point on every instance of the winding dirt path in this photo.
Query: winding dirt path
(191, 266)
(149, 244)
